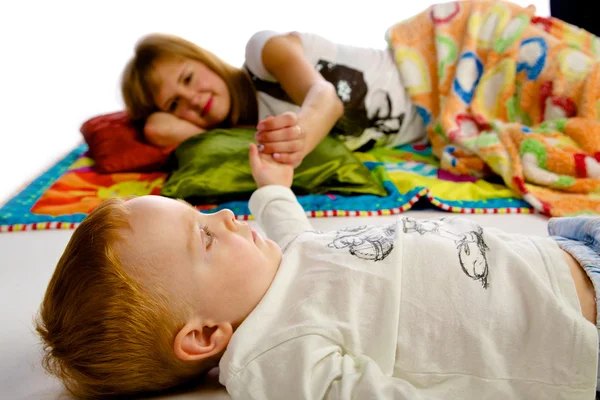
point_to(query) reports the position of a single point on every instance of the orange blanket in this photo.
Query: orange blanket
(504, 92)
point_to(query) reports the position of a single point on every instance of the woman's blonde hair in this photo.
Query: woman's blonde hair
(137, 85)
(105, 334)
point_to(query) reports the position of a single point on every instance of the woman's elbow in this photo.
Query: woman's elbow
(155, 133)
(337, 106)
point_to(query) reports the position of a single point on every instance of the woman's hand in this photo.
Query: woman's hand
(290, 137)
(283, 138)
(267, 171)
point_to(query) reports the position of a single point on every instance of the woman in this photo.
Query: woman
(296, 87)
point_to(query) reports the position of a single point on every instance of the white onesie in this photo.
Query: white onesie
(440, 309)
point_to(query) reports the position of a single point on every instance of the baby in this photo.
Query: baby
(150, 293)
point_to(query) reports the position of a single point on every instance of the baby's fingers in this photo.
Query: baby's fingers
(253, 157)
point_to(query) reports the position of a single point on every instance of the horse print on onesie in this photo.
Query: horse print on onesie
(471, 247)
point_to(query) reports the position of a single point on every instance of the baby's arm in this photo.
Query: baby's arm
(274, 205)
(314, 367)
(278, 213)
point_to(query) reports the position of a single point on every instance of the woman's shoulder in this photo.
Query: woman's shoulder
(258, 40)
(262, 37)
(254, 50)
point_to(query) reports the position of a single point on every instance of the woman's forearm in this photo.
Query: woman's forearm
(165, 130)
(320, 111)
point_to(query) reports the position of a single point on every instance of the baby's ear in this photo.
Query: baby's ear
(199, 340)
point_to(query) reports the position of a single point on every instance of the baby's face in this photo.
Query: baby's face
(216, 263)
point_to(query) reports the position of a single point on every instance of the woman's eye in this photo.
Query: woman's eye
(173, 106)
(187, 79)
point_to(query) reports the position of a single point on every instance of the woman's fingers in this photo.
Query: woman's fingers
(284, 120)
(291, 146)
(293, 159)
(280, 135)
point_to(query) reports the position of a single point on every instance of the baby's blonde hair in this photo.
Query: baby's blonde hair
(104, 333)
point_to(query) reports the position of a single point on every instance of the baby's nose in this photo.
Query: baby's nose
(227, 218)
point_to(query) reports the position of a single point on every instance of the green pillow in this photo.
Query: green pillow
(213, 167)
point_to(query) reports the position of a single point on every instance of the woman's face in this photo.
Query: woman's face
(191, 91)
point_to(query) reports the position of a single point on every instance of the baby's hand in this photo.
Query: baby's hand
(283, 138)
(267, 171)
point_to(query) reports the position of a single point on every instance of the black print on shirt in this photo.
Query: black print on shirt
(352, 89)
(371, 243)
(472, 249)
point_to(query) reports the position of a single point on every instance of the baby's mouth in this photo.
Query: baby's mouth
(255, 235)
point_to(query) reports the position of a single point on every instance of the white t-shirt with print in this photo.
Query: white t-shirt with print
(367, 81)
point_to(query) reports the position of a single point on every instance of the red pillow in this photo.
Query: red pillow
(117, 145)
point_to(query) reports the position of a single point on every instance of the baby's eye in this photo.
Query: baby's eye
(209, 236)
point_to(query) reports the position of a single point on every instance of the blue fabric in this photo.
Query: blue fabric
(580, 237)
(407, 158)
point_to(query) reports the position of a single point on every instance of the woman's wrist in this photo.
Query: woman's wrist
(318, 117)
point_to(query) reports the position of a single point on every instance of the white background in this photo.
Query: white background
(60, 63)
(60, 60)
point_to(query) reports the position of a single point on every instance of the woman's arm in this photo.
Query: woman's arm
(165, 130)
(283, 56)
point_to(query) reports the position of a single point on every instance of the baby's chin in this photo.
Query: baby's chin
(273, 245)
(275, 248)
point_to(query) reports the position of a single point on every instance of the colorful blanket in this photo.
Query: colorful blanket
(64, 195)
(502, 91)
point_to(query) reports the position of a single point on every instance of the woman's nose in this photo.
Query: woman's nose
(195, 99)
(189, 96)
